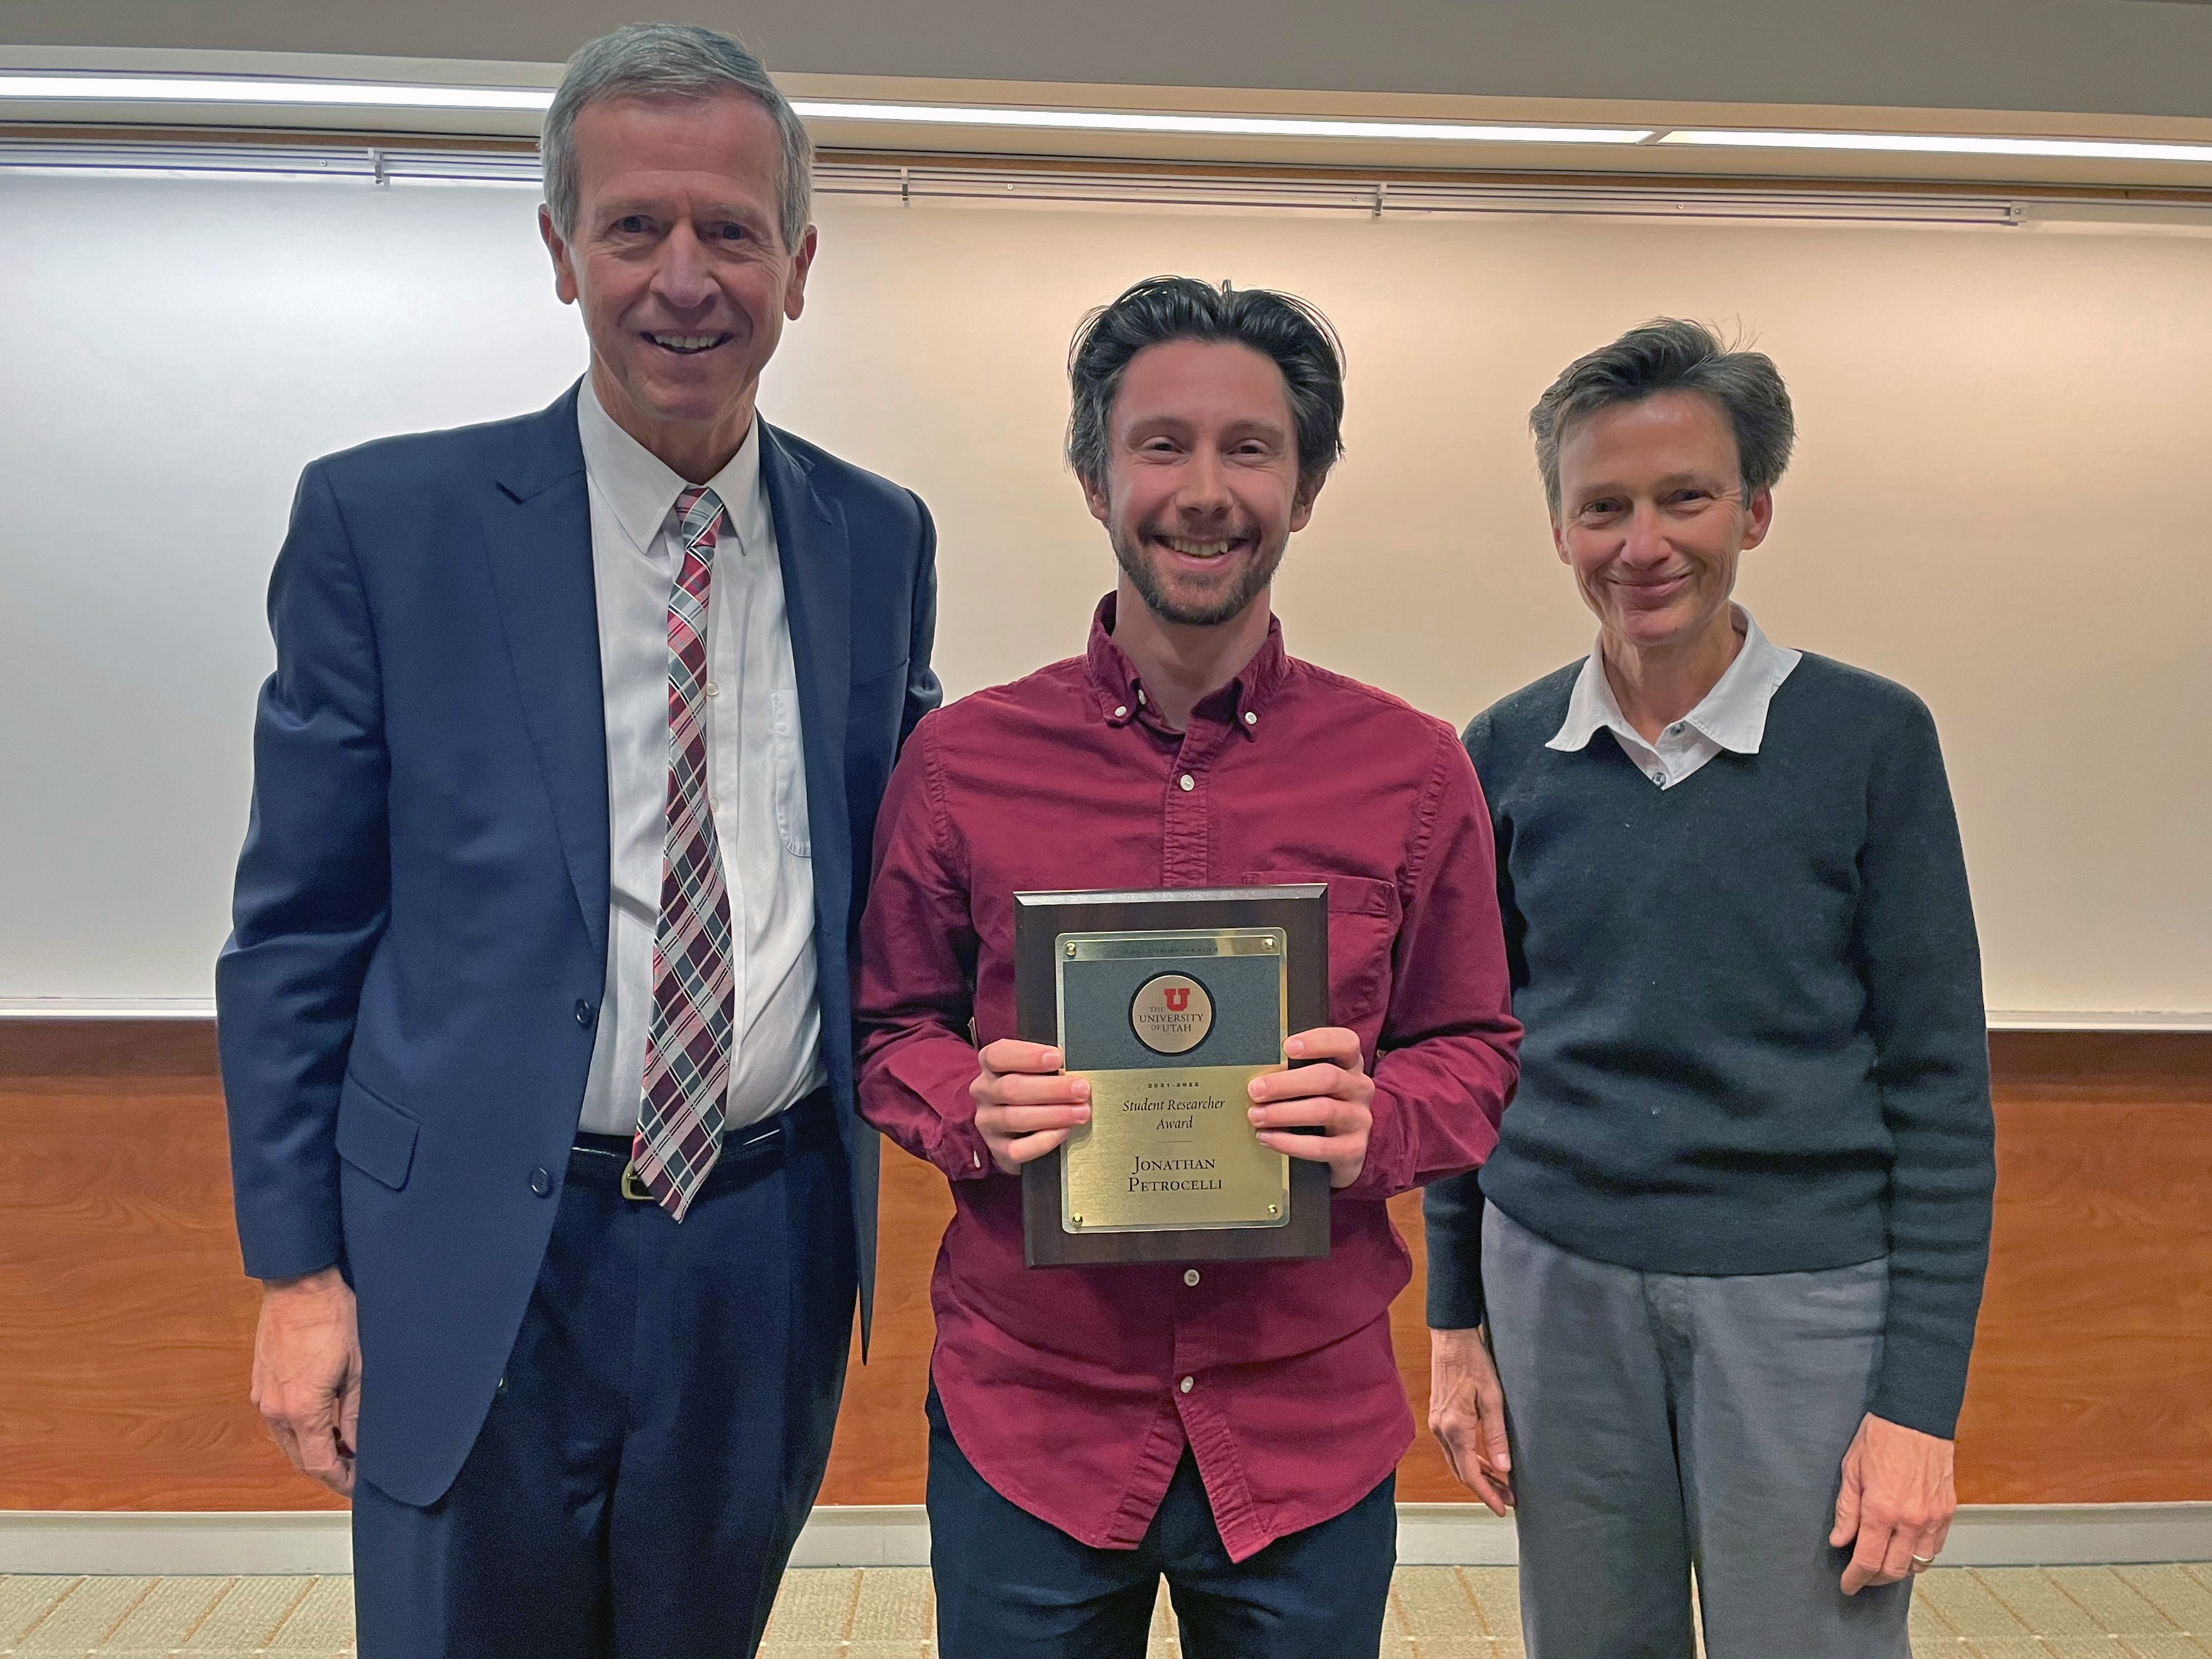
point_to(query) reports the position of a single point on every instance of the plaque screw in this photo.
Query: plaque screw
(1270, 1211)
(1070, 949)
(1078, 1219)
(1267, 944)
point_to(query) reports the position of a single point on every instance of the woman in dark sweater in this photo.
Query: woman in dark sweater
(1738, 1217)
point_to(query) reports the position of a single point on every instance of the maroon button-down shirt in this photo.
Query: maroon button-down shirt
(1074, 1390)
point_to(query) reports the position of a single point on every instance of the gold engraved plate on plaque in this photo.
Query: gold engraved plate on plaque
(1169, 1028)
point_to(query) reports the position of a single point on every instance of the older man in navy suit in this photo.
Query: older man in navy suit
(535, 1021)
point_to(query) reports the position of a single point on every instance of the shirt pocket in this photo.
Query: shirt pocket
(1363, 913)
(788, 759)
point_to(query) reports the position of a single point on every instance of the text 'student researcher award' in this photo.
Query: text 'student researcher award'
(1170, 1003)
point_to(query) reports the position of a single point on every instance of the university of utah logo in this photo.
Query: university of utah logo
(1172, 1013)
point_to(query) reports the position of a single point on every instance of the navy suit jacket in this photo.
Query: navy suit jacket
(408, 997)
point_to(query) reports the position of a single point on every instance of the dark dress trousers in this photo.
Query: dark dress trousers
(409, 997)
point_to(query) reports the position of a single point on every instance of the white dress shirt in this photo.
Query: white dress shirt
(1731, 716)
(756, 774)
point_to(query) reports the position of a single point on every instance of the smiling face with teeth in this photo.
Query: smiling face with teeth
(1200, 493)
(678, 265)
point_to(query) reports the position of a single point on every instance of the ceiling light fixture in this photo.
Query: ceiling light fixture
(225, 90)
(277, 92)
(1932, 143)
(1256, 126)
(212, 89)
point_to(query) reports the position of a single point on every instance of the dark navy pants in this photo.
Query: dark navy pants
(1009, 1586)
(657, 1440)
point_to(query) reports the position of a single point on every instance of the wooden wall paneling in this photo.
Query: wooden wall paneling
(125, 1327)
(2092, 1374)
(881, 1453)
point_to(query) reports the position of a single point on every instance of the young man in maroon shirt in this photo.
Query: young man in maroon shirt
(1234, 1427)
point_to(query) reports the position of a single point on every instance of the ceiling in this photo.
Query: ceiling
(2138, 57)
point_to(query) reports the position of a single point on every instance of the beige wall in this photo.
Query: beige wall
(1998, 497)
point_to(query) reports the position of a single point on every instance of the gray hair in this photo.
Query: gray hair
(1667, 354)
(670, 60)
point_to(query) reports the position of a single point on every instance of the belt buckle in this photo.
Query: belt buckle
(632, 1189)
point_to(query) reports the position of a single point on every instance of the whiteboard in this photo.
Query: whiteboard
(1998, 498)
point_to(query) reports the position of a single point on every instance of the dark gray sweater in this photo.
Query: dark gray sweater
(1755, 1039)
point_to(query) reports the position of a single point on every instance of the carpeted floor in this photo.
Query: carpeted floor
(1436, 1612)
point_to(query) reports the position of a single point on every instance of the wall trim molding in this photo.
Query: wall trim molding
(145, 1542)
(2066, 1019)
(115, 1008)
(181, 1542)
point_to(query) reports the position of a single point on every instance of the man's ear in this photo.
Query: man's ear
(564, 273)
(1095, 498)
(1559, 539)
(794, 288)
(1301, 504)
(1757, 517)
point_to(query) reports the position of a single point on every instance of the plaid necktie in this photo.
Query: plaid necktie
(687, 1047)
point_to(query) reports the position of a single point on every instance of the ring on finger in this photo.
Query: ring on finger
(1922, 1563)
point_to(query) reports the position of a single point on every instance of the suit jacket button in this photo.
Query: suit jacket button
(583, 1011)
(540, 1182)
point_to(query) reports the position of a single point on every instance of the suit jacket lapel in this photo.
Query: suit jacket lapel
(538, 531)
(816, 560)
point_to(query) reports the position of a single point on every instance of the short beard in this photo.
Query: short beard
(1146, 580)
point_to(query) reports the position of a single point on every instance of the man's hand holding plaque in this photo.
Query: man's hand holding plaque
(1318, 1110)
(1025, 1105)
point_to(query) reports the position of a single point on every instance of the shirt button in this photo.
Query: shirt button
(1676, 730)
(1121, 711)
(583, 1011)
(1190, 1276)
(1251, 719)
(1186, 783)
(1188, 1384)
(1659, 777)
(540, 1182)
(1140, 694)
(713, 690)
(714, 806)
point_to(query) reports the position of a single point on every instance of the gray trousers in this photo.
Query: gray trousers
(1662, 1424)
